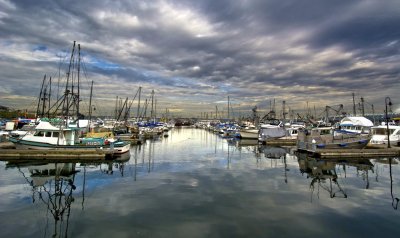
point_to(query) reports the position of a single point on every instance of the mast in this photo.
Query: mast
(40, 97)
(138, 107)
(116, 108)
(44, 100)
(152, 104)
(90, 104)
(362, 106)
(48, 111)
(145, 108)
(77, 95)
(155, 109)
(65, 108)
(284, 111)
(354, 106)
(228, 108)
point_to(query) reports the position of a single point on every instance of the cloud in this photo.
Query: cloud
(188, 51)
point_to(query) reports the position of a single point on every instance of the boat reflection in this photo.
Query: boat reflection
(275, 154)
(54, 184)
(323, 173)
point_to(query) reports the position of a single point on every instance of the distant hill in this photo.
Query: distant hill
(4, 109)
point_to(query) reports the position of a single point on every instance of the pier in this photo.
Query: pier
(52, 154)
(8, 151)
(280, 142)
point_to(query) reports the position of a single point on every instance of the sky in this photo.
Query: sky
(194, 54)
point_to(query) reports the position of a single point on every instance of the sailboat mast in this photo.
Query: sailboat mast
(90, 103)
(116, 108)
(44, 101)
(152, 104)
(66, 105)
(40, 97)
(138, 107)
(78, 89)
(354, 105)
(228, 107)
(48, 110)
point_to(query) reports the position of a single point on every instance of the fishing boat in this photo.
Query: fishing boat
(48, 137)
(380, 135)
(271, 129)
(319, 138)
(249, 132)
(357, 125)
(63, 129)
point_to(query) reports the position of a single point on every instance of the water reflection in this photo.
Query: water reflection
(324, 174)
(53, 185)
(195, 181)
(395, 200)
(390, 162)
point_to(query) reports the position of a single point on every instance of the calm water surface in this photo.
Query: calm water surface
(197, 184)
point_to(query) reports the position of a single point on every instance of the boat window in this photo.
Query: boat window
(325, 132)
(39, 133)
(55, 133)
(48, 134)
(398, 132)
(378, 131)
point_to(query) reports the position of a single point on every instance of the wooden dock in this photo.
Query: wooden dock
(7, 154)
(132, 141)
(278, 142)
(7, 145)
(353, 153)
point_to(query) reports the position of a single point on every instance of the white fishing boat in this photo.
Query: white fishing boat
(66, 131)
(380, 135)
(271, 129)
(358, 125)
(292, 130)
(48, 137)
(249, 132)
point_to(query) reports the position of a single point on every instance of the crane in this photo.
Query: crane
(336, 108)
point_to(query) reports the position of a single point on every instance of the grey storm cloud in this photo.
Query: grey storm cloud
(203, 51)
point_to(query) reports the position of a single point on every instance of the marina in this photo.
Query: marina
(213, 185)
(212, 119)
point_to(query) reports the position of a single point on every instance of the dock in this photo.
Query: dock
(7, 145)
(352, 153)
(8, 151)
(7, 154)
(280, 142)
(132, 141)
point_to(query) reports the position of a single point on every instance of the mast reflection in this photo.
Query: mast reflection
(323, 173)
(53, 184)
(395, 200)
(390, 162)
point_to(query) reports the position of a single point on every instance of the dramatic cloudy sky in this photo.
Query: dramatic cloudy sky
(195, 54)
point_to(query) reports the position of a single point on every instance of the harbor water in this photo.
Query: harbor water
(195, 183)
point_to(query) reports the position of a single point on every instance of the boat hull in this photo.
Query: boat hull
(249, 134)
